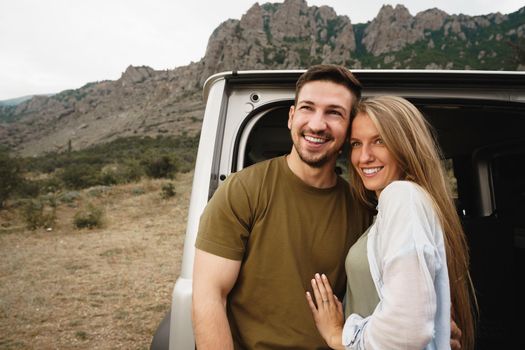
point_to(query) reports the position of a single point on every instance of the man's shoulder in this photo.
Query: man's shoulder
(268, 163)
(260, 169)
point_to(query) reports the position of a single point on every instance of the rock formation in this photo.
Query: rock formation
(286, 35)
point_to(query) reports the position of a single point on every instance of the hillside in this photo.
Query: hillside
(16, 101)
(287, 35)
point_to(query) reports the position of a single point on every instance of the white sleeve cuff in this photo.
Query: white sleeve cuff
(353, 332)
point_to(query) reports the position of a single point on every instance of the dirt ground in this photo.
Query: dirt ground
(104, 288)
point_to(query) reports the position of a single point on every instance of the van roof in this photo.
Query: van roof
(385, 78)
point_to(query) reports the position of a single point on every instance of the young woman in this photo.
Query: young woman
(409, 270)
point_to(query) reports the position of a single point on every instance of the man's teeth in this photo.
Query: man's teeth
(315, 139)
(370, 171)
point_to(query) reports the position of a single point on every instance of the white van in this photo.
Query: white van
(479, 118)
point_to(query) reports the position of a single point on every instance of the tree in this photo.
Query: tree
(519, 50)
(9, 176)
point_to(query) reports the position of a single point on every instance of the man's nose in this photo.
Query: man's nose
(317, 121)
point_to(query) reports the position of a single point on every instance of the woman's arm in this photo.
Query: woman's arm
(328, 319)
(403, 255)
(404, 318)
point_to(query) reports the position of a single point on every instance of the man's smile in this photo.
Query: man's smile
(317, 139)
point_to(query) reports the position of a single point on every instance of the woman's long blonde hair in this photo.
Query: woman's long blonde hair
(407, 135)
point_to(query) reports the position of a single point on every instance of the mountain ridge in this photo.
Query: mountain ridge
(288, 35)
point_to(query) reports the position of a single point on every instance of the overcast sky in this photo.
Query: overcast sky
(52, 45)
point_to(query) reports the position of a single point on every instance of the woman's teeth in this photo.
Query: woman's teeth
(370, 171)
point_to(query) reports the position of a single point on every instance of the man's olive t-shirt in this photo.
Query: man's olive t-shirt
(283, 231)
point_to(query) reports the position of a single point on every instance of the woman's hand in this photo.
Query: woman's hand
(328, 314)
(455, 335)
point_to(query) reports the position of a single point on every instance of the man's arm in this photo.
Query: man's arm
(213, 278)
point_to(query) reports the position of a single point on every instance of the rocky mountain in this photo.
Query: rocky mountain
(270, 36)
(142, 102)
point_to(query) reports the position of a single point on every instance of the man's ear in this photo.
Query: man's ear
(290, 116)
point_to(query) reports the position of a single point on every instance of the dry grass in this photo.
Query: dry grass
(93, 289)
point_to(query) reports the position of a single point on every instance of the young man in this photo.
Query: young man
(270, 227)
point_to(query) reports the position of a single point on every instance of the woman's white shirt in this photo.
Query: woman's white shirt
(407, 260)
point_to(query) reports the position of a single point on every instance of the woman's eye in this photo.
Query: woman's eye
(379, 142)
(354, 144)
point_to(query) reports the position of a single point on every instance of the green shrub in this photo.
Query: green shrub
(50, 199)
(126, 157)
(108, 178)
(37, 213)
(162, 167)
(98, 191)
(131, 171)
(89, 217)
(28, 189)
(69, 197)
(81, 335)
(9, 176)
(138, 191)
(32, 188)
(186, 162)
(519, 50)
(51, 184)
(168, 190)
(78, 176)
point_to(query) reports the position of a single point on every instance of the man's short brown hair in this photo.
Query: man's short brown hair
(332, 73)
